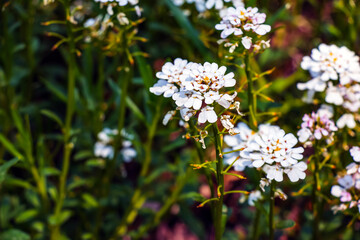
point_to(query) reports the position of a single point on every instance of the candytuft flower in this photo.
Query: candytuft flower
(245, 24)
(316, 126)
(273, 151)
(195, 87)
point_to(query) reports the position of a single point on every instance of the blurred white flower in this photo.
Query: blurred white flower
(347, 120)
(316, 126)
(253, 197)
(355, 153)
(104, 149)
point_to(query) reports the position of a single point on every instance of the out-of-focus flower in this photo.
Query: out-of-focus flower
(316, 126)
(202, 5)
(355, 153)
(238, 143)
(104, 149)
(253, 197)
(333, 63)
(347, 120)
(348, 188)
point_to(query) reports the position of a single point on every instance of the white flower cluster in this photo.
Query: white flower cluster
(269, 149)
(99, 25)
(252, 197)
(317, 126)
(120, 2)
(335, 70)
(195, 87)
(246, 23)
(202, 5)
(103, 148)
(348, 189)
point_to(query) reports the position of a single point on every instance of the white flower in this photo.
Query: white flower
(328, 62)
(193, 85)
(254, 196)
(346, 120)
(163, 87)
(123, 20)
(274, 152)
(127, 151)
(296, 171)
(207, 114)
(246, 42)
(238, 21)
(226, 122)
(168, 116)
(238, 142)
(103, 150)
(355, 153)
(263, 183)
(316, 126)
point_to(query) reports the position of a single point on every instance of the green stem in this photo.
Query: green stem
(255, 233)
(139, 197)
(316, 187)
(271, 212)
(251, 95)
(179, 185)
(220, 181)
(55, 234)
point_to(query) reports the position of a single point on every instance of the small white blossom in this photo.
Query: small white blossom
(253, 197)
(355, 153)
(346, 120)
(207, 114)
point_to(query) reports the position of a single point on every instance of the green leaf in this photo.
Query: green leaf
(195, 196)
(285, 224)
(135, 110)
(50, 171)
(5, 167)
(192, 33)
(56, 89)
(64, 215)
(90, 200)
(14, 234)
(26, 216)
(52, 116)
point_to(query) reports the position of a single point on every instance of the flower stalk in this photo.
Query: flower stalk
(271, 212)
(251, 95)
(55, 233)
(316, 187)
(220, 181)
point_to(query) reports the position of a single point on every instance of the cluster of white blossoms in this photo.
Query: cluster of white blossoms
(120, 2)
(99, 25)
(203, 5)
(195, 88)
(269, 149)
(244, 23)
(348, 188)
(104, 149)
(335, 70)
(317, 126)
